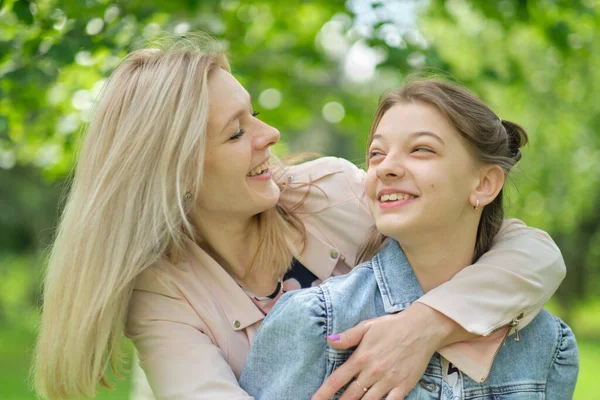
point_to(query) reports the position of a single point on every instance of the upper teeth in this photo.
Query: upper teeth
(261, 168)
(397, 196)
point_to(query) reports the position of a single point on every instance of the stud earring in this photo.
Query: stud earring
(187, 197)
(476, 207)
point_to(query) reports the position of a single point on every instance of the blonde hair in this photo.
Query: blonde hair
(492, 141)
(143, 150)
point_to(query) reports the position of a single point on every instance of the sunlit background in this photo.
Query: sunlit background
(315, 71)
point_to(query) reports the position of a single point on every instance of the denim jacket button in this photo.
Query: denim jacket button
(430, 387)
(236, 324)
(333, 254)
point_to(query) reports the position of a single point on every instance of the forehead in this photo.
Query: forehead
(406, 118)
(226, 97)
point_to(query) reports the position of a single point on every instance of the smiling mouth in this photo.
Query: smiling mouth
(395, 197)
(260, 170)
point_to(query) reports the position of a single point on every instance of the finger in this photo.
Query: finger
(337, 380)
(378, 391)
(398, 393)
(354, 391)
(348, 338)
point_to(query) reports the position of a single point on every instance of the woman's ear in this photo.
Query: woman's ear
(491, 181)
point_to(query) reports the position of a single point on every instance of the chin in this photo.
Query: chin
(395, 227)
(268, 199)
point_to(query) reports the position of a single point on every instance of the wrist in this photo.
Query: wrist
(440, 330)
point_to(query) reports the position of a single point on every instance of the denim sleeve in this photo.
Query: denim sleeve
(288, 357)
(563, 372)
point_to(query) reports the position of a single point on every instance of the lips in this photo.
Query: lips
(394, 194)
(260, 169)
(395, 197)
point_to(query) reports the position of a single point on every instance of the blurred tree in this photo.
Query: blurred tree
(315, 70)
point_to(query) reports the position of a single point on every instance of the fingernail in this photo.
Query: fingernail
(334, 338)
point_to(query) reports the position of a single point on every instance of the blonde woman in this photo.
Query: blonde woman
(179, 232)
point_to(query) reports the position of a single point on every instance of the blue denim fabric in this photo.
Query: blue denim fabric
(290, 359)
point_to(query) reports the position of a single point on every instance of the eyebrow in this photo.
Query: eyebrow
(378, 136)
(238, 114)
(427, 133)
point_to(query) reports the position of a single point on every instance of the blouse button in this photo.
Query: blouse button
(236, 324)
(333, 254)
(291, 178)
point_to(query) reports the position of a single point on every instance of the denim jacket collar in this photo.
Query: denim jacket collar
(395, 277)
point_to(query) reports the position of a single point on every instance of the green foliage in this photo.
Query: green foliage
(533, 61)
(589, 353)
(16, 346)
(315, 70)
(19, 289)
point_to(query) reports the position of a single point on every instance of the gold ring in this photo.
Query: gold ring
(364, 389)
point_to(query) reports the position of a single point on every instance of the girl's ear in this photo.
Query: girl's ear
(491, 181)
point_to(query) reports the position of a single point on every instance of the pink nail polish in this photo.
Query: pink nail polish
(334, 338)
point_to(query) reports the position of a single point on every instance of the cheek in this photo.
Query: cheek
(450, 185)
(371, 191)
(218, 176)
(370, 183)
(226, 162)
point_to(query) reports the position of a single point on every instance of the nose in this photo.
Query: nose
(390, 168)
(266, 136)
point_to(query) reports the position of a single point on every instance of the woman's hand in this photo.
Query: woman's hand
(393, 353)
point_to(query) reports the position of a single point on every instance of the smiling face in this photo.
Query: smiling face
(420, 175)
(237, 180)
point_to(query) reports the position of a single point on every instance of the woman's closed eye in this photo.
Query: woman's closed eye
(237, 135)
(241, 131)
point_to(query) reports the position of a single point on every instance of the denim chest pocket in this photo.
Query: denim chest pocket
(523, 391)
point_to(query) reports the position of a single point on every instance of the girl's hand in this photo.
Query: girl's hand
(392, 355)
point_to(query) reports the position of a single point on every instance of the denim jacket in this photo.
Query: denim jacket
(290, 358)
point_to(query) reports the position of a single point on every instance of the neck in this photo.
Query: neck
(228, 240)
(436, 257)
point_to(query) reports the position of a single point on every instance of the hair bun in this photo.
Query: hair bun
(517, 138)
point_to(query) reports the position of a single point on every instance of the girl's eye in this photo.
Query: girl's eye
(423, 150)
(374, 154)
(238, 135)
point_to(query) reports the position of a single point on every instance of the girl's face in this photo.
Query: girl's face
(420, 174)
(237, 181)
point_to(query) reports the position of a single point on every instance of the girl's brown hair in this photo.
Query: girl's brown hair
(493, 141)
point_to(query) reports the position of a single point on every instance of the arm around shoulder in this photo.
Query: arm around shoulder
(516, 276)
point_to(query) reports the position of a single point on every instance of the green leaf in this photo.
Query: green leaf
(22, 10)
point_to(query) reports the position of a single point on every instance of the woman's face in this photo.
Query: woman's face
(237, 180)
(420, 173)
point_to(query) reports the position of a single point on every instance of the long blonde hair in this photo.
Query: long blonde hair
(143, 150)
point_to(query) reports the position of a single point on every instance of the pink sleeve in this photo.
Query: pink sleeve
(510, 283)
(518, 275)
